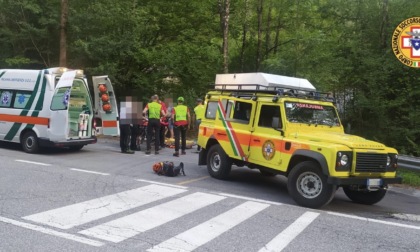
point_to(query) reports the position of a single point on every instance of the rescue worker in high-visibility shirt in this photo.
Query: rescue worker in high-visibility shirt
(154, 112)
(181, 119)
(199, 114)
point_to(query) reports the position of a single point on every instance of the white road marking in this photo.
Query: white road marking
(291, 232)
(409, 217)
(128, 226)
(251, 199)
(207, 231)
(159, 183)
(87, 171)
(87, 211)
(52, 232)
(31, 162)
(374, 220)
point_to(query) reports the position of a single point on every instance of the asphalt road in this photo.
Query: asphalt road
(99, 199)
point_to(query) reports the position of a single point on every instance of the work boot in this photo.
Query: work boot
(148, 152)
(176, 154)
(183, 152)
(129, 151)
(180, 167)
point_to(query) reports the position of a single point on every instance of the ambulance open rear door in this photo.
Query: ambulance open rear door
(106, 112)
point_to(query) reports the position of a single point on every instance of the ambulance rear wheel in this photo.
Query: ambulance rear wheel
(308, 185)
(30, 142)
(218, 163)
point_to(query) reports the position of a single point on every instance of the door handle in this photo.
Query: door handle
(257, 140)
(221, 134)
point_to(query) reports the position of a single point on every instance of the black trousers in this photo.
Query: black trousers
(125, 137)
(180, 131)
(153, 129)
(162, 135)
(135, 130)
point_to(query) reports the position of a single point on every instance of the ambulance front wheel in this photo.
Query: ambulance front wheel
(308, 185)
(218, 163)
(30, 142)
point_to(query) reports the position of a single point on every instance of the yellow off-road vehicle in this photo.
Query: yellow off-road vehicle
(282, 125)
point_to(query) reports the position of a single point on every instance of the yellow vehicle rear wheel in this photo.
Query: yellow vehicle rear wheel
(218, 163)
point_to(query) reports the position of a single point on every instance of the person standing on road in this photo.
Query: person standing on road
(181, 119)
(199, 114)
(125, 127)
(163, 124)
(154, 111)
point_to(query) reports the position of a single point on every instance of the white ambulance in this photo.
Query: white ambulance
(48, 108)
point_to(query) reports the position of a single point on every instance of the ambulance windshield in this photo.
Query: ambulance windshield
(297, 112)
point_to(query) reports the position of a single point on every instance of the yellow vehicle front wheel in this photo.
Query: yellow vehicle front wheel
(364, 197)
(308, 185)
(218, 163)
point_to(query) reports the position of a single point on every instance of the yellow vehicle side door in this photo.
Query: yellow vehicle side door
(266, 140)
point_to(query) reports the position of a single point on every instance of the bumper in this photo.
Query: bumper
(362, 181)
(84, 141)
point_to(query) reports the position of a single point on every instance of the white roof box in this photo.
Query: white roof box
(231, 81)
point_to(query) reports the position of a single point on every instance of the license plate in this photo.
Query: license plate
(374, 182)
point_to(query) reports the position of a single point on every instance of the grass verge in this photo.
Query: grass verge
(410, 178)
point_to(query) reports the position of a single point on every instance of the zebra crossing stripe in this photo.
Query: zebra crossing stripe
(51, 232)
(128, 226)
(87, 211)
(284, 238)
(207, 231)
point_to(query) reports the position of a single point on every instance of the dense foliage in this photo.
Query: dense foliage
(176, 47)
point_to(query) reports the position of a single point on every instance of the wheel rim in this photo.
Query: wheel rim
(30, 142)
(309, 185)
(215, 162)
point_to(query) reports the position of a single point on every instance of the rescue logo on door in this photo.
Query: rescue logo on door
(406, 42)
(268, 150)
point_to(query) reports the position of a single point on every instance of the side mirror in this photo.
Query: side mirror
(276, 124)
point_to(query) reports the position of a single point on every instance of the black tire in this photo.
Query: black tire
(218, 163)
(76, 147)
(267, 173)
(365, 197)
(30, 143)
(308, 185)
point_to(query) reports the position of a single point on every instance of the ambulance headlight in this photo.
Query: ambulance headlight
(343, 161)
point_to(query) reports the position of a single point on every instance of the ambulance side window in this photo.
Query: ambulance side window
(270, 114)
(21, 99)
(5, 98)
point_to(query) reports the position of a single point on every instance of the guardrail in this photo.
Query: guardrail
(408, 162)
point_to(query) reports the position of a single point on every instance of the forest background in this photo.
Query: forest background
(177, 47)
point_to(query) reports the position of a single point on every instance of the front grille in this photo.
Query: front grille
(369, 162)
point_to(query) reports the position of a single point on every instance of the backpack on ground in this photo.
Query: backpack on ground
(167, 168)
